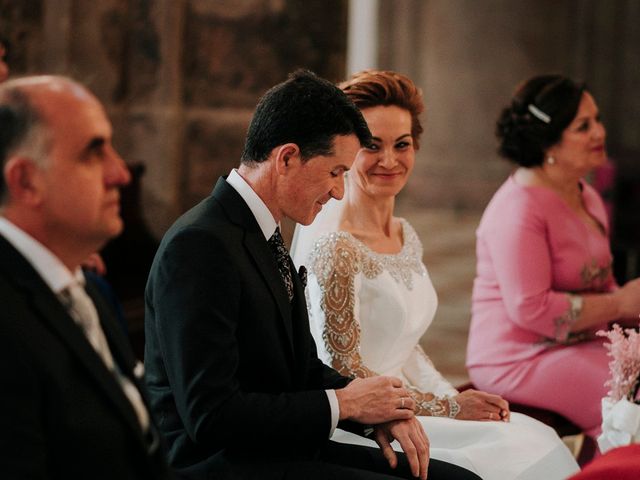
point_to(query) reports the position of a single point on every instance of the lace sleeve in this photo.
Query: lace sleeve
(336, 262)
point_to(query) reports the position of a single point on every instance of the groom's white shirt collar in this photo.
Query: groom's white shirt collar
(260, 211)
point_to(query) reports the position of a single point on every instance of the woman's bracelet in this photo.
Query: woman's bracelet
(437, 406)
(454, 407)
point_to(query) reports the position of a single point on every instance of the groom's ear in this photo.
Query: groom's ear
(287, 156)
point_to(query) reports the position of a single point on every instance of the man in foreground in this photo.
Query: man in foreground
(72, 406)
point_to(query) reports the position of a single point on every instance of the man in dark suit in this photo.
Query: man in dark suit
(71, 401)
(231, 366)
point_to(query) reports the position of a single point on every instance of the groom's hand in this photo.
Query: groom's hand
(412, 439)
(375, 400)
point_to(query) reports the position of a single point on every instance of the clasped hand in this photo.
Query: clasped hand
(412, 439)
(476, 405)
(375, 400)
(385, 403)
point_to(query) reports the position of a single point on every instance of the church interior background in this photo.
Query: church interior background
(180, 78)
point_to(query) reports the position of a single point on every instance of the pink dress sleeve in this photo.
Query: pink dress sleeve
(517, 245)
(541, 256)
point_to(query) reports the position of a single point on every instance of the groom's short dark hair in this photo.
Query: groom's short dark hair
(306, 110)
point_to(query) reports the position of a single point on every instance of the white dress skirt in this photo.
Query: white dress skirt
(393, 301)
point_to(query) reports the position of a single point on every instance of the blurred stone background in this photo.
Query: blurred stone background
(180, 78)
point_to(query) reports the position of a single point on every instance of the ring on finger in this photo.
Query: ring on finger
(402, 402)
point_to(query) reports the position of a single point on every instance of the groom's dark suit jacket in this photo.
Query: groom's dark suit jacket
(231, 366)
(63, 414)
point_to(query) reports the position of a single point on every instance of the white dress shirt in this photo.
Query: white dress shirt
(268, 225)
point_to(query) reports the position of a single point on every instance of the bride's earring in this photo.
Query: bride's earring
(551, 160)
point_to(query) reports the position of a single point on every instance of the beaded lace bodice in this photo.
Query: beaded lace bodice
(343, 252)
(369, 310)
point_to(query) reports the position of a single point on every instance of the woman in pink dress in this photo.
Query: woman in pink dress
(544, 283)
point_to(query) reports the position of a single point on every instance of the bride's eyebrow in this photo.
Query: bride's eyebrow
(378, 139)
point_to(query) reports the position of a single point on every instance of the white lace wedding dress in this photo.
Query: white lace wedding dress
(392, 300)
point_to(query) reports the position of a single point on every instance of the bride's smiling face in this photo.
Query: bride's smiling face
(383, 168)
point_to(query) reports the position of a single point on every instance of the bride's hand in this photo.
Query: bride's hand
(476, 405)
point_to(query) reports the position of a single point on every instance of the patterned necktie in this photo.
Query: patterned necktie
(281, 253)
(84, 313)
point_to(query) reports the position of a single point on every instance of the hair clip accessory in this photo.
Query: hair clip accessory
(539, 114)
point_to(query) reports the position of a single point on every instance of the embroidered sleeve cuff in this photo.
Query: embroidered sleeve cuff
(564, 323)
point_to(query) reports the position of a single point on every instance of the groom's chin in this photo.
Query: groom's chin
(310, 217)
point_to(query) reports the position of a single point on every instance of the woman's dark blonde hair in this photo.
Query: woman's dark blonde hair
(373, 88)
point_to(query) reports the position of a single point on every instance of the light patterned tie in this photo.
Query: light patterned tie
(84, 312)
(281, 253)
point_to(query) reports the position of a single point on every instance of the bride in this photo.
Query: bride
(371, 300)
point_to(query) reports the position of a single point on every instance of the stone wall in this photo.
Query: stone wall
(179, 78)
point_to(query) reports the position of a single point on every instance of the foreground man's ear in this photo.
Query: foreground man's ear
(23, 179)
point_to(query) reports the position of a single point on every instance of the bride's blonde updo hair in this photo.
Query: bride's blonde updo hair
(373, 88)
